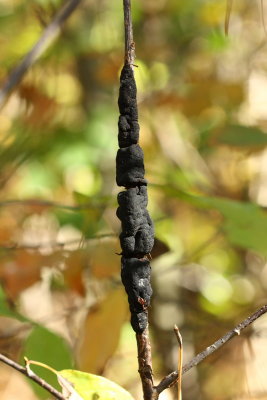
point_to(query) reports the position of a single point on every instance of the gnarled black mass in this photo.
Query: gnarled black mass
(128, 120)
(135, 276)
(130, 166)
(137, 236)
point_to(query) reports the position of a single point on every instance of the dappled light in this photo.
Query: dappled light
(202, 104)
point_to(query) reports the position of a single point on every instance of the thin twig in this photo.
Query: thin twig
(128, 29)
(262, 17)
(54, 244)
(38, 49)
(47, 203)
(180, 359)
(171, 379)
(145, 365)
(41, 382)
(228, 15)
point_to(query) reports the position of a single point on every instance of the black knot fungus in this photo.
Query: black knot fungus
(128, 131)
(137, 236)
(127, 94)
(130, 166)
(135, 276)
(132, 209)
(139, 321)
(133, 197)
(128, 120)
(139, 243)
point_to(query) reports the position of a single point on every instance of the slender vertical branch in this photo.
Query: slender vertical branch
(128, 32)
(137, 236)
(145, 365)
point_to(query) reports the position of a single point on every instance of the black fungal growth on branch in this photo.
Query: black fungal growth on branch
(137, 236)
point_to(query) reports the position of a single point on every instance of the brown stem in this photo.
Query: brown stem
(171, 379)
(142, 339)
(48, 203)
(229, 7)
(81, 242)
(128, 32)
(41, 382)
(38, 49)
(145, 365)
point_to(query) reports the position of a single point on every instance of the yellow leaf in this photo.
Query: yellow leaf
(104, 259)
(102, 332)
(82, 386)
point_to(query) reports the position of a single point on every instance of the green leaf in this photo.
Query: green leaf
(91, 387)
(242, 136)
(244, 223)
(5, 309)
(47, 347)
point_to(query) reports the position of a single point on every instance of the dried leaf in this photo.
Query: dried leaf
(104, 260)
(101, 332)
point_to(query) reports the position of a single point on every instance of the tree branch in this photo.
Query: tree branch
(15, 246)
(128, 30)
(47, 203)
(128, 137)
(229, 7)
(38, 49)
(41, 382)
(145, 365)
(171, 379)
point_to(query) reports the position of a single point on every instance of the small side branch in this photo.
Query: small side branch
(171, 379)
(41, 382)
(180, 359)
(38, 49)
(128, 28)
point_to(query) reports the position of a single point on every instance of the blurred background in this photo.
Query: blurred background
(202, 100)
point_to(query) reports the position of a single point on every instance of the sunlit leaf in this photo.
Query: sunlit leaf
(68, 389)
(48, 347)
(244, 223)
(93, 387)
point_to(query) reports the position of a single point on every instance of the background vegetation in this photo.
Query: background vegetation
(203, 116)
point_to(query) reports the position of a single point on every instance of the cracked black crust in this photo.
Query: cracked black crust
(137, 236)
(135, 276)
(130, 166)
(128, 120)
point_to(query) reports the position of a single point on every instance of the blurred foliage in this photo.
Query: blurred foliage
(202, 108)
